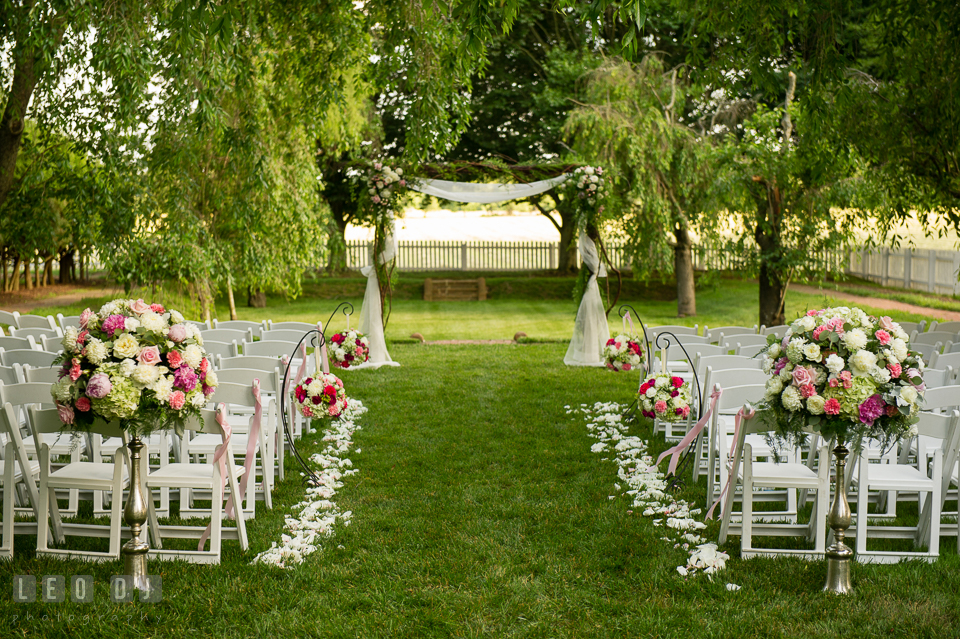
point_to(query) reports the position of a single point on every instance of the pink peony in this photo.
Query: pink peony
(831, 406)
(99, 386)
(872, 408)
(807, 390)
(660, 407)
(113, 325)
(158, 309)
(801, 376)
(65, 412)
(174, 359)
(177, 400)
(185, 378)
(149, 356)
(139, 307)
(886, 323)
(83, 404)
(85, 317)
(178, 333)
(882, 336)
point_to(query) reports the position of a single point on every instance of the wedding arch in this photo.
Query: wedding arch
(383, 186)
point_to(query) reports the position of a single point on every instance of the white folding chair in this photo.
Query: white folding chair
(779, 330)
(720, 430)
(92, 475)
(36, 321)
(909, 327)
(748, 350)
(714, 334)
(10, 374)
(12, 466)
(946, 327)
(792, 475)
(29, 357)
(51, 344)
(189, 476)
(932, 337)
(731, 342)
(68, 320)
(937, 377)
(42, 374)
(889, 475)
(220, 349)
(10, 319)
(203, 326)
(938, 360)
(227, 335)
(268, 347)
(295, 326)
(270, 384)
(926, 351)
(256, 328)
(36, 333)
(18, 344)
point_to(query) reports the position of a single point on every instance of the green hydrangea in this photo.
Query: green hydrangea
(851, 398)
(121, 402)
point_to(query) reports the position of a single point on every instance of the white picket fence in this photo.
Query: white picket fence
(919, 269)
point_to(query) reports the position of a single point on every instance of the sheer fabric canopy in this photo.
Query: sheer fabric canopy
(590, 332)
(469, 192)
(371, 313)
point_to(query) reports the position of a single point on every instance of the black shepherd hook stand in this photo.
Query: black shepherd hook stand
(647, 365)
(664, 341)
(317, 339)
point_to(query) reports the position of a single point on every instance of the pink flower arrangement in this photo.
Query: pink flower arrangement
(623, 353)
(665, 397)
(320, 397)
(348, 348)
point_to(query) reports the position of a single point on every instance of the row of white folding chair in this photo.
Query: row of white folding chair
(932, 337)
(36, 333)
(757, 478)
(18, 343)
(734, 341)
(718, 435)
(714, 335)
(749, 350)
(16, 320)
(952, 326)
(780, 330)
(30, 357)
(18, 472)
(942, 360)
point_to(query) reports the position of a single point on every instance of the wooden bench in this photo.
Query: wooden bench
(454, 290)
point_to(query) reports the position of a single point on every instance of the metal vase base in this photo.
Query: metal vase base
(839, 554)
(134, 552)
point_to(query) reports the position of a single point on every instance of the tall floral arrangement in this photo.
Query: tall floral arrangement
(384, 185)
(845, 374)
(589, 189)
(136, 363)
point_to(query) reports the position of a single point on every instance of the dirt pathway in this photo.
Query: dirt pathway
(877, 302)
(57, 295)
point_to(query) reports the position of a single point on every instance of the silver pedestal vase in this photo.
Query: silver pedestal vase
(839, 555)
(134, 552)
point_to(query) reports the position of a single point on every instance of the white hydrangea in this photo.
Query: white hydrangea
(835, 363)
(768, 363)
(862, 362)
(795, 349)
(660, 382)
(815, 404)
(791, 398)
(110, 308)
(812, 351)
(855, 339)
(193, 355)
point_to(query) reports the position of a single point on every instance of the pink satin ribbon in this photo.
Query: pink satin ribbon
(303, 363)
(253, 439)
(743, 413)
(677, 450)
(324, 362)
(219, 458)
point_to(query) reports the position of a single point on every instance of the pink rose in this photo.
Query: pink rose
(801, 376)
(686, 411)
(660, 407)
(882, 336)
(178, 333)
(65, 412)
(886, 323)
(808, 390)
(139, 307)
(177, 399)
(83, 404)
(832, 406)
(149, 356)
(85, 317)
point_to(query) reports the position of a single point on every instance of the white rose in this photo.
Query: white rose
(806, 323)
(125, 347)
(899, 333)
(890, 357)
(815, 404)
(193, 355)
(774, 350)
(211, 378)
(131, 324)
(774, 387)
(862, 362)
(153, 322)
(661, 382)
(96, 351)
(197, 399)
(176, 317)
(908, 396)
(835, 363)
(899, 348)
(812, 351)
(855, 339)
(791, 398)
(651, 392)
(146, 375)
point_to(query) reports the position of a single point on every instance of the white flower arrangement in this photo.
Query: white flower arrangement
(135, 363)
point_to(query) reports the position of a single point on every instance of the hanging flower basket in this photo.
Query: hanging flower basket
(623, 353)
(665, 397)
(348, 348)
(320, 397)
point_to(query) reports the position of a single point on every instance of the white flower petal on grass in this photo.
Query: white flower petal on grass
(733, 587)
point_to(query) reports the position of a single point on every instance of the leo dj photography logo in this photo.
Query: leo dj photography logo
(53, 589)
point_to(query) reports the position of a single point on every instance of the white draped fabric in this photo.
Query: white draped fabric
(484, 193)
(371, 313)
(590, 333)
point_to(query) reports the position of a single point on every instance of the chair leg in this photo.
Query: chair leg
(241, 525)
(154, 525)
(863, 520)
(116, 499)
(6, 550)
(746, 523)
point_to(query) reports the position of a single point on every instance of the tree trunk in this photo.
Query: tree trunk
(66, 266)
(772, 280)
(48, 271)
(683, 269)
(233, 306)
(15, 276)
(567, 258)
(256, 298)
(27, 278)
(3, 258)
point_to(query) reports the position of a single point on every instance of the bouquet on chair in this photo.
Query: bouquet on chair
(623, 353)
(136, 363)
(665, 397)
(321, 396)
(349, 348)
(844, 374)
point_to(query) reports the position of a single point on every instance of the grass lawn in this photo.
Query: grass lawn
(480, 510)
(540, 307)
